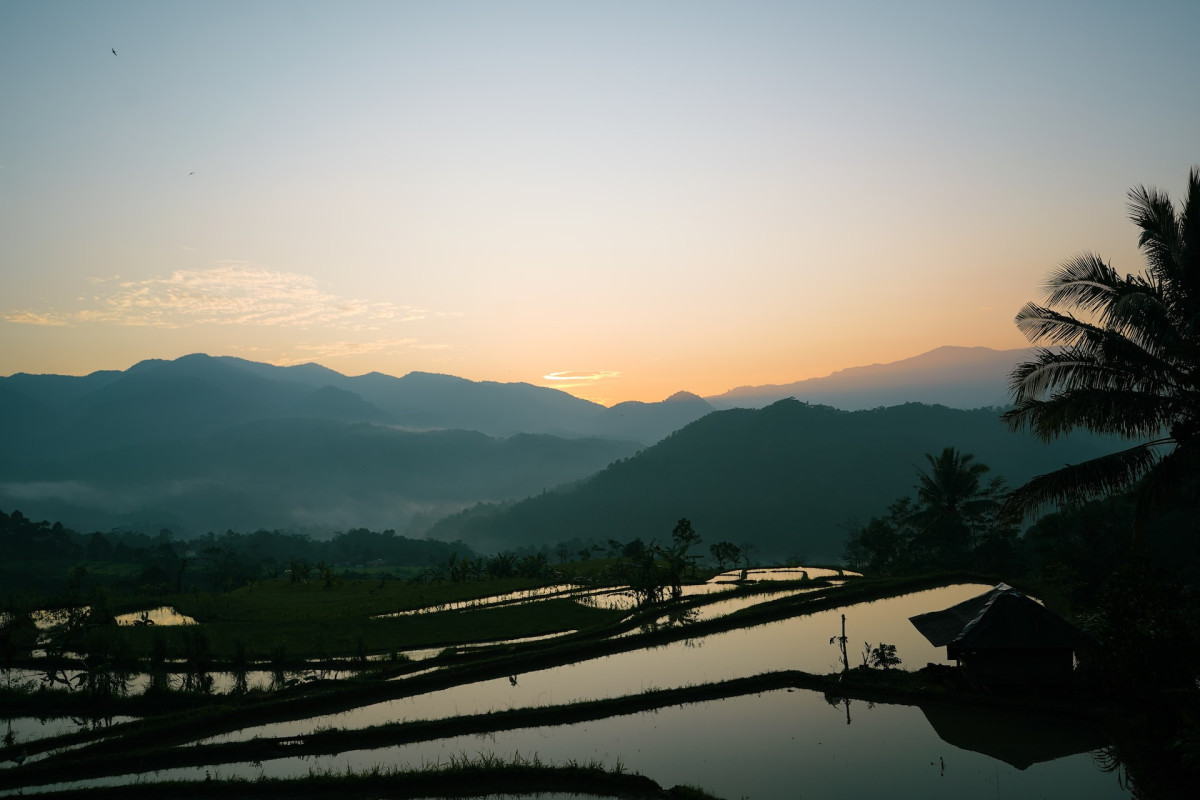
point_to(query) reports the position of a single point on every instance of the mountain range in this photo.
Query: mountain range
(203, 443)
(792, 478)
(208, 443)
(957, 377)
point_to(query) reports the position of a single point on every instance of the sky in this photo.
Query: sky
(619, 199)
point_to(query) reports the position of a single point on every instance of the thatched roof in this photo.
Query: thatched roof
(1001, 618)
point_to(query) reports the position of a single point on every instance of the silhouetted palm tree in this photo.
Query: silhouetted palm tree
(954, 483)
(954, 500)
(1128, 365)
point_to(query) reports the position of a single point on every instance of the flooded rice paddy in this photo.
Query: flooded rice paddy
(773, 744)
(777, 744)
(798, 643)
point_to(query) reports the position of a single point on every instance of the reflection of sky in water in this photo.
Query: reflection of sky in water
(22, 730)
(783, 574)
(777, 744)
(798, 643)
(621, 597)
(163, 615)
(519, 597)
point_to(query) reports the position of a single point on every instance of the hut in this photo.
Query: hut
(1004, 637)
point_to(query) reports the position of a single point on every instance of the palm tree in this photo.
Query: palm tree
(1129, 364)
(954, 500)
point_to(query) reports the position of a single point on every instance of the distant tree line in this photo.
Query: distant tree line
(39, 555)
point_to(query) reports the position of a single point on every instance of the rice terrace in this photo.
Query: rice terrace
(560, 684)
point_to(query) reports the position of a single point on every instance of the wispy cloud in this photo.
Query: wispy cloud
(570, 378)
(580, 376)
(230, 293)
(27, 317)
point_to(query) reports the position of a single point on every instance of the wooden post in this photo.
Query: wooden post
(845, 658)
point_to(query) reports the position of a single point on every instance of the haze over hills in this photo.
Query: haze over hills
(309, 475)
(199, 394)
(788, 477)
(957, 377)
(203, 443)
(209, 443)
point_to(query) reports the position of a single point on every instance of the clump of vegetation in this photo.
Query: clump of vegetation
(881, 656)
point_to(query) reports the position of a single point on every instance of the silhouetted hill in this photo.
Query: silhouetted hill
(647, 422)
(210, 443)
(787, 477)
(332, 403)
(198, 395)
(957, 377)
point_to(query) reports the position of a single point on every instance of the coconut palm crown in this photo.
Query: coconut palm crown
(1129, 364)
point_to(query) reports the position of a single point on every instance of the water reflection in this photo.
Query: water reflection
(621, 597)
(556, 591)
(713, 610)
(797, 643)
(1016, 739)
(22, 730)
(776, 744)
(782, 574)
(163, 615)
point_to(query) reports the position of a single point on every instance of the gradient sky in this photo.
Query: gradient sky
(621, 199)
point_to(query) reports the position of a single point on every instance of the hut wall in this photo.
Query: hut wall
(1016, 665)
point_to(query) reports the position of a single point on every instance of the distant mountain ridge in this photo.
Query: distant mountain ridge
(791, 477)
(207, 443)
(956, 377)
(200, 394)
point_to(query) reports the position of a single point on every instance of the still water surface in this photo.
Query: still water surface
(797, 643)
(777, 744)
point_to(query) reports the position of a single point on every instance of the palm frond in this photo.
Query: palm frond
(1130, 366)
(1189, 226)
(1177, 474)
(1130, 306)
(1145, 318)
(1079, 483)
(1130, 414)
(1085, 282)
(1152, 211)
(1040, 323)
(1052, 371)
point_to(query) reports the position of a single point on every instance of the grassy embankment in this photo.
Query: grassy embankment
(462, 777)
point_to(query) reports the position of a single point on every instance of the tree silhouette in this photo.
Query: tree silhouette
(955, 503)
(1129, 364)
(683, 538)
(725, 553)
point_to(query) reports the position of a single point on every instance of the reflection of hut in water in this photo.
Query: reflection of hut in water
(1020, 740)
(1002, 636)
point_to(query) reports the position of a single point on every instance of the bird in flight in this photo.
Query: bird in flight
(114, 51)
